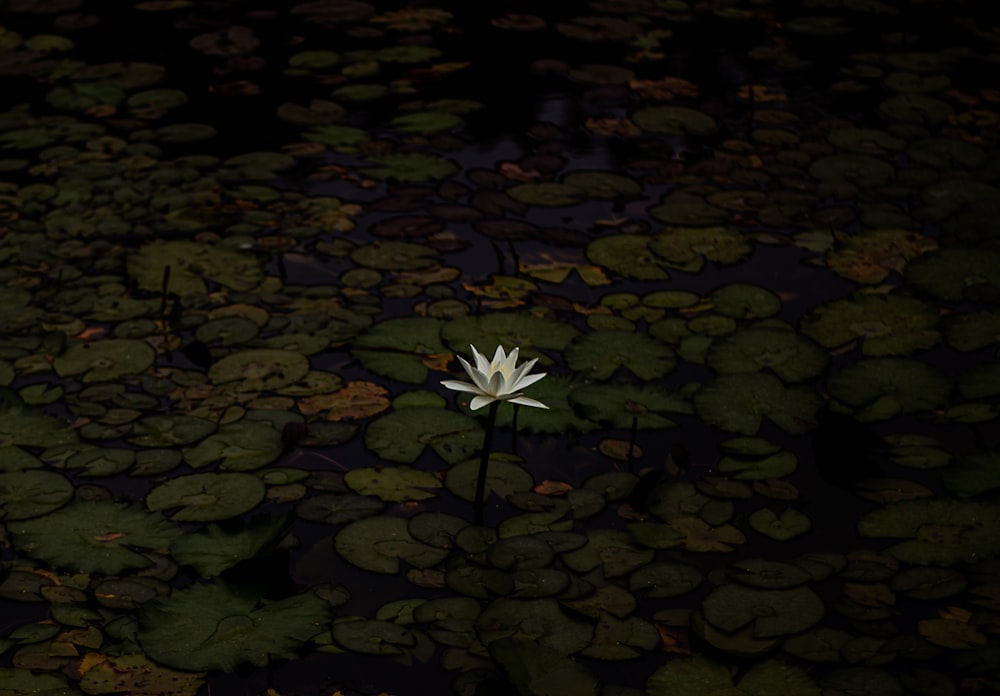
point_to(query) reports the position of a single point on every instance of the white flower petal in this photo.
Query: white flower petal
(482, 364)
(461, 386)
(497, 384)
(524, 401)
(527, 381)
(522, 370)
(479, 401)
(477, 376)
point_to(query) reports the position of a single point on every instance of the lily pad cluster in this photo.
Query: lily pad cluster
(238, 261)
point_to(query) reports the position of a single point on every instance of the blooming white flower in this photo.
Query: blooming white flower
(497, 380)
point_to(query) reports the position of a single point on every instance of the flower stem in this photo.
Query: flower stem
(513, 431)
(484, 462)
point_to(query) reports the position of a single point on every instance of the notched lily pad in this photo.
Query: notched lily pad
(379, 543)
(739, 402)
(207, 497)
(191, 265)
(597, 355)
(105, 360)
(32, 493)
(392, 484)
(402, 436)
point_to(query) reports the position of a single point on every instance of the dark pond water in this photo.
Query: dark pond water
(753, 243)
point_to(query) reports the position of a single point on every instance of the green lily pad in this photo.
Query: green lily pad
(974, 330)
(546, 194)
(556, 392)
(980, 382)
(673, 120)
(745, 301)
(379, 543)
(629, 255)
(621, 639)
(338, 508)
(207, 497)
(771, 613)
(392, 484)
(598, 355)
(530, 334)
(885, 324)
(169, 431)
(18, 681)
(661, 580)
(689, 247)
(915, 108)
(191, 265)
(789, 525)
(372, 637)
(240, 446)
(790, 356)
(227, 331)
(537, 670)
(938, 532)
(615, 404)
(94, 537)
(16, 459)
(603, 185)
(862, 170)
(759, 468)
(612, 550)
(975, 473)
(229, 627)
(214, 550)
(399, 348)
(880, 388)
(32, 493)
(401, 436)
(410, 167)
(105, 360)
(503, 478)
(950, 273)
(22, 425)
(536, 622)
(693, 676)
(739, 402)
(260, 369)
(395, 256)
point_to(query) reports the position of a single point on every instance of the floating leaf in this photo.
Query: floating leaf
(229, 627)
(400, 348)
(880, 388)
(629, 255)
(260, 369)
(21, 425)
(782, 351)
(939, 532)
(191, 265)
(207, 497)
(738, 402)
(614, 405)
(950, 273)
(528, 333)
(673, 120)
(599, 354)
(380, 543)
(105, 360)
(546, 193)
(32, 493)
(94, 537)
(688, 247)
(885, 324)
(401, 436)
(241, 446)
(410, 167)
(213, 550)
(503, 479)
(537, 670)
(392, 484)
(772, 613)
(789, 525)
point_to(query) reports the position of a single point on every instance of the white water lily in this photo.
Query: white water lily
(499, 379)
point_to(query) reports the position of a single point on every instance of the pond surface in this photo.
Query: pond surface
(752, 245)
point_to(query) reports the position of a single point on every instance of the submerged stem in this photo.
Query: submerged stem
(484, 462)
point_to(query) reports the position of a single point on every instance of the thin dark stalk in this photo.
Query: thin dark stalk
(484, 462)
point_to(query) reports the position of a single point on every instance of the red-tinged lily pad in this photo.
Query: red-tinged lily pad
(379, 544)
(260, 369)
(885, 324)
(881, 388)
(392, 484)
(739, 402)
(191, 265)
(135, 674)
(32, 493)
(94, 537)
(870, 256)
(701, 537)
(105, 360)
(936, 532)
(629, 255)
(402, 436)
(207, 497)
(230, 627)
(599, 354)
